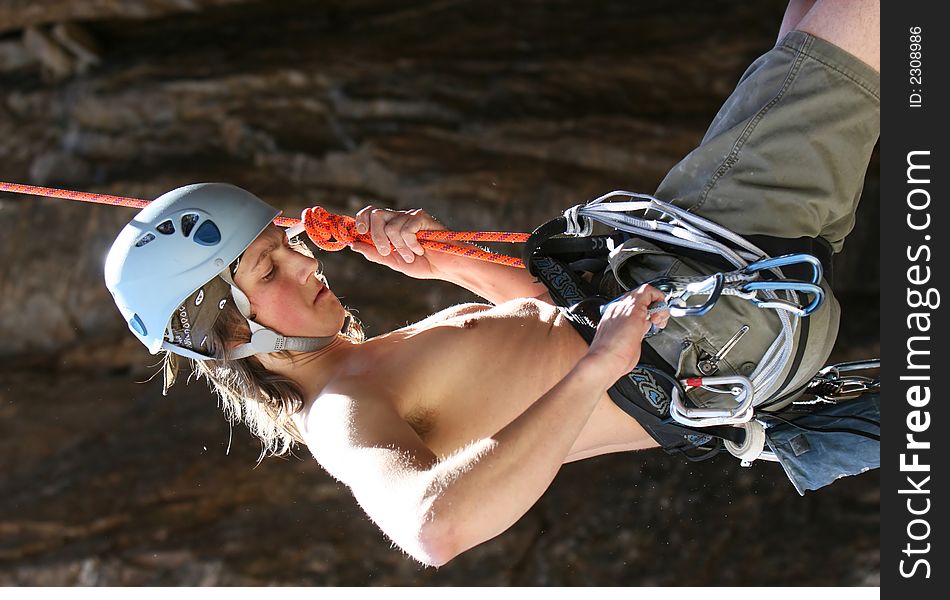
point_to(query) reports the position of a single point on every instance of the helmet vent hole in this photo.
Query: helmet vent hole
(137, 325)
(166, 228)
(207, 234)
(148, 237)
(188, 223)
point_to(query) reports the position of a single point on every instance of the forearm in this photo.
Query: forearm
(482, 490)
(495, 282)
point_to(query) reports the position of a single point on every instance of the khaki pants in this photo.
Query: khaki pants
(785, 157)
(787, 153)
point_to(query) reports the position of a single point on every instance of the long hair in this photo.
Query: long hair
(248, 392)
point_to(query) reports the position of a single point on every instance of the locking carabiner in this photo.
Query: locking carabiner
(740, 387)
(677, 294)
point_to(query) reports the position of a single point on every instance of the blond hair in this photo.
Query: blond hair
(248, 392)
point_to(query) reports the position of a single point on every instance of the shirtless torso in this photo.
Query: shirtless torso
(465, 372)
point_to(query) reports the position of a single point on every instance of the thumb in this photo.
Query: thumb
(369, 252)
(361, 248)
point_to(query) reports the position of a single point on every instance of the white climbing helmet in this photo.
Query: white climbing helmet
(168, 270)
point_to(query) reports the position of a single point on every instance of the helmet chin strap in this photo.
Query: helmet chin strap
(264, 340)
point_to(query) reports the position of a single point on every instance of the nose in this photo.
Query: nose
(306, 268)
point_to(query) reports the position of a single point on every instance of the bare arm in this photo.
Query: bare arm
(436, 508)
(494, 282)
(395, 245)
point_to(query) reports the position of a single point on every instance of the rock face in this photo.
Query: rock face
(489, 115)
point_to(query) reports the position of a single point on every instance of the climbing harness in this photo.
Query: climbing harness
(681, 229)
(652, 393)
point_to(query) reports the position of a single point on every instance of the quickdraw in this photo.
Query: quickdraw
(743, 283)
(832, 386)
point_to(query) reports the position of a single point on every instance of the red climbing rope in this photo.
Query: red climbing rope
(33, 190)
(328, 231)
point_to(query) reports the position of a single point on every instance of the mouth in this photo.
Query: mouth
(320, 293)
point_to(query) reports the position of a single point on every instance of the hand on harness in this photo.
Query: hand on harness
(627, 318)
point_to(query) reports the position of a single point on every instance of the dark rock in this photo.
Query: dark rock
(14, 55)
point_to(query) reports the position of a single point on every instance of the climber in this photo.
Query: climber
(448, 430)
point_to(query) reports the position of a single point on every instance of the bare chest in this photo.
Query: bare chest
(465, 373)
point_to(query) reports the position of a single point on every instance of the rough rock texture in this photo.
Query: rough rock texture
(491, 115)
(20, 14)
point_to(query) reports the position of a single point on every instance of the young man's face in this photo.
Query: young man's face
(284, 292)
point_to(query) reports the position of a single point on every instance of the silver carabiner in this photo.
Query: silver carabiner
(740, 387)
(830, 384)
(834, 371)
(678, 292)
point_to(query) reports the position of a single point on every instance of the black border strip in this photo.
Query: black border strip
(910, 568)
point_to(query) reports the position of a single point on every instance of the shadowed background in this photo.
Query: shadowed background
(490, 115)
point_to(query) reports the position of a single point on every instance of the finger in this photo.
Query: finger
(650, 293)
(394, 232)
(377, 220)
(410, 228)
(429, 220)
(660, 307)
(362, 219)
(630, 307)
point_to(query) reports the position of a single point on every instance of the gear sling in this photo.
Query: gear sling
(676, 392)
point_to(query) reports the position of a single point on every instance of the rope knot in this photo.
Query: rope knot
(329, 231)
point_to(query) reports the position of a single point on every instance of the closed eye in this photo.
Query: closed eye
(270, 274)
